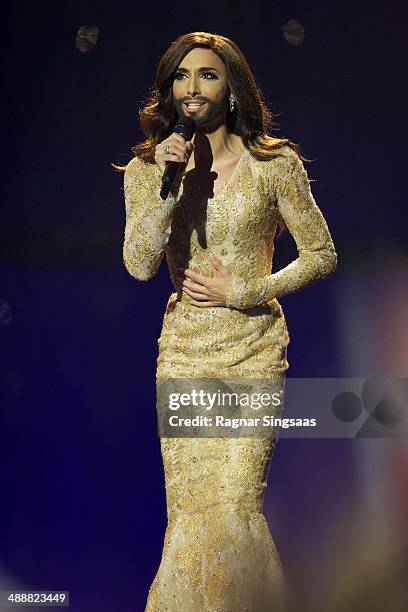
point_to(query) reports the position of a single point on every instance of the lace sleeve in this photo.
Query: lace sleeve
(317, 257)
(148, 219)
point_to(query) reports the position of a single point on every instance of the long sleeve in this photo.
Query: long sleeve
(317, 257)
(148, 219)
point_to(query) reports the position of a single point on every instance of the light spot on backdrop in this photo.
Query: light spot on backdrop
(293, 32)
(87, 37)
(6, 315)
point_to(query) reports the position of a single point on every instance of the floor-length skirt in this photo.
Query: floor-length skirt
(218, 553)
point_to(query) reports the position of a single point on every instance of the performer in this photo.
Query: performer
(236, 186)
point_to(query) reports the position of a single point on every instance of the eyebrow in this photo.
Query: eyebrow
(202, 69)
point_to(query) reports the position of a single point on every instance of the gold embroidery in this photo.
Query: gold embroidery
(218, 553)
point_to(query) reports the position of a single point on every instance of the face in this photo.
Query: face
(201, 75)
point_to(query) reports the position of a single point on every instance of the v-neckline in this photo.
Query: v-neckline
(216, 195)
(228, 183)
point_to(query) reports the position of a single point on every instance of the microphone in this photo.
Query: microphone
(184, 126)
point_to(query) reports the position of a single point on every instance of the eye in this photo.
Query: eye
(211, 74)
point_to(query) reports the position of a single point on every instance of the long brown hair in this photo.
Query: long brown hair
(251, 119)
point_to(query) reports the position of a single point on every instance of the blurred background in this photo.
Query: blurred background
(83, 499)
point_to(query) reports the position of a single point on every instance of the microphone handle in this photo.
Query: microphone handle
(169, 177)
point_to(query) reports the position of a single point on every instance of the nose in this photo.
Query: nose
(192, 87)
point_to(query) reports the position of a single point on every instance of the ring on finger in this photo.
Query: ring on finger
(166, 149)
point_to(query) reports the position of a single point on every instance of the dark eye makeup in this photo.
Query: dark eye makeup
(212, 75)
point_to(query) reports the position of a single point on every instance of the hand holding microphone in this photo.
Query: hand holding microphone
(179, 149)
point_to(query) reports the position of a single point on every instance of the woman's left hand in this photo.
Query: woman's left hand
(206, 291)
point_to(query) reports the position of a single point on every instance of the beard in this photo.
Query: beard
(207, 119)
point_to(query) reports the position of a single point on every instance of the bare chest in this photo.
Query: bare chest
(211, 179)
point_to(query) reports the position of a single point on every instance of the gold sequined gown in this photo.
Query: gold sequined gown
(218, 553)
